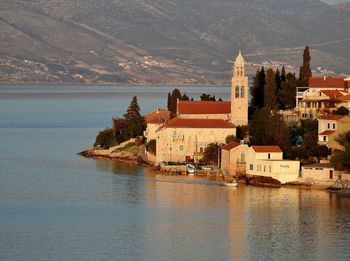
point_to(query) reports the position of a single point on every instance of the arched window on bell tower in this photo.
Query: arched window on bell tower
(242, 92)
(237, 92)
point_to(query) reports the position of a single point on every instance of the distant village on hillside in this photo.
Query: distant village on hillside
(287, 129)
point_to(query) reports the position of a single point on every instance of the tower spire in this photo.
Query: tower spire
(239, 92)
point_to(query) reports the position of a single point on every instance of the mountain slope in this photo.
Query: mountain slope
(163, 41)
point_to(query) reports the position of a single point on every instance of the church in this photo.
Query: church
(199, 123)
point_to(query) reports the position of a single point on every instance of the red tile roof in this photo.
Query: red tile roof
(199, 123)
(327, 132)
(333, 94)
(159, 116)
(266, 149)
(332, 117)
(328, 82)
(203, 107)
(346, 97)
(230, 146)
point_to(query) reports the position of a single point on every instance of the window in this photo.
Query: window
(333, 126)
(264, 168)
(242, 157)
(237, 92)
(270, 169)
(329, 125)
(251, 167)
(269, 156)
(242, 92)
(181, 147)
(324, 138)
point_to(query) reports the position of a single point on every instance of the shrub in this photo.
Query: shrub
(105, 139)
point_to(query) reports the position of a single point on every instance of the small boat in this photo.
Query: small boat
(231, 184)
(190, 169)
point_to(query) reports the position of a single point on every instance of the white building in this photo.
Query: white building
(268, 161)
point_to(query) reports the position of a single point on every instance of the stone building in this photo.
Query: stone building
(199, 123)
(154, 121)
(233, 158)
(183, 140)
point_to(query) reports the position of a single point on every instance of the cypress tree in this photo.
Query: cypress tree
(278, 80)
(305, 70)
(261, 93)
(288, 90)
(168, 101)
(283, 74)
(176, 94)
(270, 90)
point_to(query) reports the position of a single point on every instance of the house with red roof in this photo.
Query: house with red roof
(154, 121)
(233, 158)
(204, 110)
(268, 161)
(324, 95)
(330, 127)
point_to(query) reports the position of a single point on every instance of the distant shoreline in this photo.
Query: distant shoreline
(41, 84)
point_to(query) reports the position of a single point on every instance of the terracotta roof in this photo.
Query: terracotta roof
(328, 82)
(199, 123)
(266, 149)
(333, 94)
(159, 116)
(332, 117)
(345, 97)
(203, 107)
(231, 146)
(327, 132)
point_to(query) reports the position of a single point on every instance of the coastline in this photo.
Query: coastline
(133, 159)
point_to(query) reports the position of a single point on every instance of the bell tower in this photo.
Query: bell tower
(239, 93)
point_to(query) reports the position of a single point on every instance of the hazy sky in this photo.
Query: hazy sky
(335, 1)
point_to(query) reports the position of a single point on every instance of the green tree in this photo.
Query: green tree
(268, 128)
(305, 70)
(270, 89)
(288, 91)
(211, 154)
(133, 112)
(175, 95)
(341, 159)
(135, 122)
(105, 139)
(278, 80)
(207, 97)
(342, 111)
(283, 74)
(257, 90)
(231, 138)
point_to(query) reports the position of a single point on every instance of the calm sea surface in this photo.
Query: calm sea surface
(55, 205)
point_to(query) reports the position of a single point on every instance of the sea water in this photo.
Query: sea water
(55, 205)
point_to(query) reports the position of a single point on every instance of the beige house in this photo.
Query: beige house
(186, 139)
(233, 158)
(324, 95)
(330, 127)
(323, 172)
(268, 161)
(154, 121)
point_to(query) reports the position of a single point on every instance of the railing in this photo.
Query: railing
(178, 137)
